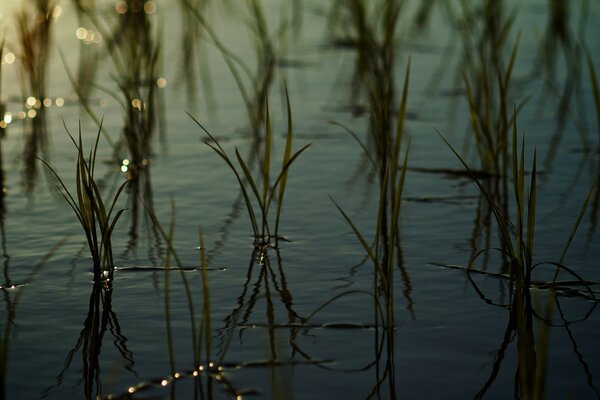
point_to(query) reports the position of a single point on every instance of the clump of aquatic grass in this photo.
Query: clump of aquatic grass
(253, 85)
(97, 221)
(370, 28)
(487, 77)
(386, 245)
(34, 23)
(517, 236)
(260, 189)
(517, 240)
(132, 42)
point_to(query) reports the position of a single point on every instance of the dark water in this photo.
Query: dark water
(451, 335)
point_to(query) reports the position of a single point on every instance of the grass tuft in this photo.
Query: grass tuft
(259, 193)
(97, 221)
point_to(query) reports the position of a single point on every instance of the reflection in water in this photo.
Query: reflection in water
(269, 280)
(533, 345)
(12, 293)
(100, 319)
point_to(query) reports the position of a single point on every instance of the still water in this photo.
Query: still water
(308, 317)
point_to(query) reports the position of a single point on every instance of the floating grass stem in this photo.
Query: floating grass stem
(97, 221)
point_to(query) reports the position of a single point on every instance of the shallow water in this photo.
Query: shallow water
(67, 339)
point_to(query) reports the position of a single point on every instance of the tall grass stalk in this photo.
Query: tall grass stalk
(259, 193)
(97, 221)
(381, 252)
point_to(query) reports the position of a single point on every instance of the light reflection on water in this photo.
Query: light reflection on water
(452, 337)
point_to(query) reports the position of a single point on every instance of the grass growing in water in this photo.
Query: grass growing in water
(261, 188)
(392, 172)
(517, 238)
(91, 210)
(34, 23)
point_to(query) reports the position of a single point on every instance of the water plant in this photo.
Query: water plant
(517, 246)
(384, 253)
(260, 189)
(132, 42)
(254, 84)
(97, 221)
(34, 23)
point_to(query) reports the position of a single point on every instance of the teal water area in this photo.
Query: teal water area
(306, 317)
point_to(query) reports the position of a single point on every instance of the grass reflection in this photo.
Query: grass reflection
(100, 319)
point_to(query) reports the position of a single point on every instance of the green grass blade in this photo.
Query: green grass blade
(531, 212)
(250, 180)
(366, 151)
(287, 153)
(282, 172)
(402, 114)
(579, 218)
(503, 222)
(362, 241)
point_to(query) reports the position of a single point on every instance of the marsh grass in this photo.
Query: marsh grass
(97, 221)
(133, 44)
(371, 30)
(385, 249)
(34, 32)
(258, 192)
(254, 84)
(517, 236)
(517, 246)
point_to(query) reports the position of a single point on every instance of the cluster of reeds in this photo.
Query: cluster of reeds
(385, 253)
(259, 193)
(133, 45)
(94, 214)
(34, 23)
(132, 42)
(487, 76)
(517, 246)
(371, 31)
(253, 84)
